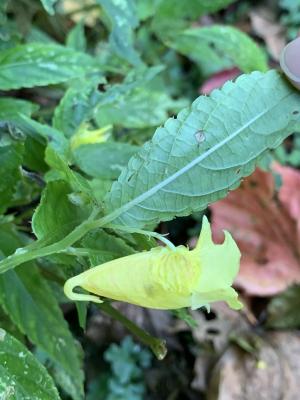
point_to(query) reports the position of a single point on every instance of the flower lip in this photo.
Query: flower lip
(290, 61)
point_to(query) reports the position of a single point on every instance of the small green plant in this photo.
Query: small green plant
(125, 381)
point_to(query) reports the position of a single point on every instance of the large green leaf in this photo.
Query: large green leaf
(196, 158)
(216, 47)
(123, 19)
(21, 375)
(32, 306)
(39, 64)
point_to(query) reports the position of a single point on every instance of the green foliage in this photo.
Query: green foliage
(83, 90)
(49, 5)
(174, 15)
(289, 154)
(216, 47)
(283, 310)
(11, 156)
(21, 375)
(76, 38)
(33, 308)
(104, 160)
(124, 382)
(123, 20)
(37, 64)
(291, 16)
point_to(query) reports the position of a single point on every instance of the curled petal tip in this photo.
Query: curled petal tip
(74, 282)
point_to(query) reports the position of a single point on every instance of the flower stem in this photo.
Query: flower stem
(158, 346)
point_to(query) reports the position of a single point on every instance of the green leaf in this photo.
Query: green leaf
(76, 39)
(10, 108)
(83, 102)
(39, 64)
(131, 110)
(146, 8)
(77, 106)
(104, 160)
(33, 308)
(56, 215)
(123, 18)
(198, 157)
(49, 6)
(105, 247)
(11, 156)
(283, 310)
(21, 375)
(287, 155)
(174, 15)
(224, 46)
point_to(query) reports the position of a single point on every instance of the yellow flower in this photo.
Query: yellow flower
(165, 278)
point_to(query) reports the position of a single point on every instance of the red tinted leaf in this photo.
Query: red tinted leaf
(218, 80)
(266, 226)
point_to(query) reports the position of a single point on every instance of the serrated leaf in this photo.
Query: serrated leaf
(104, 160)
(198, 157)
(39, 64)
(49, 6)
(21, 375)
(216, 47)
(35, 311)
(123, 18)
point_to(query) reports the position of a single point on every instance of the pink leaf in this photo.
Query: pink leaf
(266, 226)
(217, 80)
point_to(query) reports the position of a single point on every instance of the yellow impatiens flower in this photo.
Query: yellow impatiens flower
(165, 278)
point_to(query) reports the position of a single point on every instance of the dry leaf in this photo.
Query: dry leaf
(264, 25)
(273, 374)
(265, 225)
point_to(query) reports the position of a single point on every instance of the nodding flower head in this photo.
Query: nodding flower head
(165, 278)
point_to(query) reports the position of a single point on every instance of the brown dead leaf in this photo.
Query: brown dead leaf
(264, 25)
(272, 374)
(216, 332)
(266, 226)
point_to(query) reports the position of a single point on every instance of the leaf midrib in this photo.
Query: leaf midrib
(144, 196)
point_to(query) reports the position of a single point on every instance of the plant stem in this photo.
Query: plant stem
(158, 346)
(142, 232)
(23, 255)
